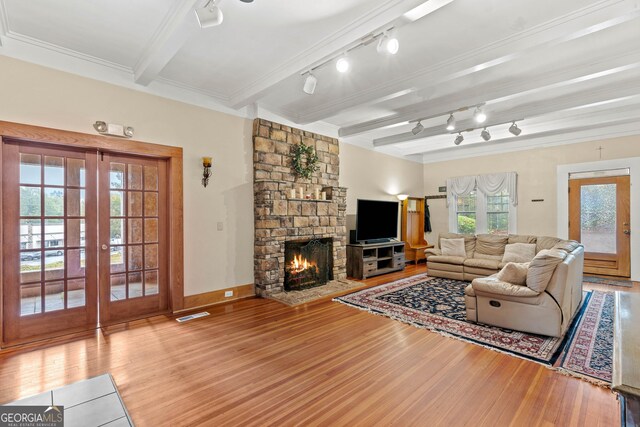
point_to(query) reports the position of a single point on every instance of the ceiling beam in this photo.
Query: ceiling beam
(490, 94)
(580, 23)
(574, 134)
(375, 20)
(177, 27)
(524, 111)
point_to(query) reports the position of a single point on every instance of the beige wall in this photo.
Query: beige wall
(213, 259)
(537, 179)
(371, 175)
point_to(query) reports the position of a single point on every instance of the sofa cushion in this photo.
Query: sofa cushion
(490, 246)
(545, 242)
(521, 238)
(453, 247)
(514, 272)
(541, 268)
(567, 245)
(442, 259)
(492, 285)
(519, 252)
(469, 241)
(489, 264)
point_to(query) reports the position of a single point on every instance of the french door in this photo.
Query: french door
(133, 256)
(599, 218)
(84, 240)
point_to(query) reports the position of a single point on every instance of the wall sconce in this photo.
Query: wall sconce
(206, 174)
(402, 197)
(120, 131)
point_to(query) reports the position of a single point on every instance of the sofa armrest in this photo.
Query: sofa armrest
(491, 285)
(432, 251)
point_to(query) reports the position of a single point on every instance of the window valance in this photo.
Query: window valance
(489, 184)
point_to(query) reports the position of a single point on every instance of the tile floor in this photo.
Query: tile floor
(89, 403)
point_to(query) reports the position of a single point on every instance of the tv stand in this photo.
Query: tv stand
(368, 260)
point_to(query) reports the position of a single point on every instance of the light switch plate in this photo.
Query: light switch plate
(220, 226)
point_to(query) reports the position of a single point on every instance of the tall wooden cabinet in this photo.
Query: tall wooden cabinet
(412, 233)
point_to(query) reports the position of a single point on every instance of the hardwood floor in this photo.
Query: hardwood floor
(258, 362)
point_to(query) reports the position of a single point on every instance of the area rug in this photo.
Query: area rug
(438, 305)
(605, 281)
(589, 352)
(333, 288)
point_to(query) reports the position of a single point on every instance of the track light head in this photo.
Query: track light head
(514, 129)
(310, 84)
(458, 139)
(209, 15)
(342, 64)
(388, 43)
(485, 134)
(479, 116)
(417, 129)
(451, 123)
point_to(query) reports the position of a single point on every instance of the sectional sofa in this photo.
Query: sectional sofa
(546, 308)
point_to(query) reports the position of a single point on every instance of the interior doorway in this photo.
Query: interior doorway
(599, 218)
(89, 237)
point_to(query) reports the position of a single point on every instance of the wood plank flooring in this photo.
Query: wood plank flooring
(258, 362)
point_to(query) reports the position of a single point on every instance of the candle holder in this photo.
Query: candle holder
(206, 174)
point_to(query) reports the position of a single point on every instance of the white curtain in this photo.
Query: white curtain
(492, 184)
(460, 186)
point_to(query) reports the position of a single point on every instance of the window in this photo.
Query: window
(498, 213)
(478, 213)
(466, 213)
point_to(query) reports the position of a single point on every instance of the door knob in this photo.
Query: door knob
(626, 232)
(104, 247)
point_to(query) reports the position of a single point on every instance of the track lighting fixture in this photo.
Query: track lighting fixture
(479, 116)
(209, 15)
(514, 129)
(451, 122)
(485, 134)
(458, 139)
(310, 84)
(417, 129)
(388, 43)
(342, 64)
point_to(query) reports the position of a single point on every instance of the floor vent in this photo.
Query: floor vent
(192, 316)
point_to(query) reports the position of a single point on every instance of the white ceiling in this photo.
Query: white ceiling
(568, 70)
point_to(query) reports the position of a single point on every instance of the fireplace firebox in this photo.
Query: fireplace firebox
(308, 263)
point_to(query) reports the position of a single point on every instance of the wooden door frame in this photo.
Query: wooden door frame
(173, 155)
(562, 201)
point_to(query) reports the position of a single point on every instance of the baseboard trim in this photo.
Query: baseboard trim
(216, 297)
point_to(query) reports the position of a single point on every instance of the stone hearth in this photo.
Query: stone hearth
(280, 217)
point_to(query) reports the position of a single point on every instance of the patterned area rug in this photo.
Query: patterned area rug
(605, 281)
(438, 305)
(590, 349)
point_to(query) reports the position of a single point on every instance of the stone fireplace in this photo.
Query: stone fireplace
(289, 211)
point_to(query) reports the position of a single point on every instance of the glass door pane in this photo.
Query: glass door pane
(598, 213)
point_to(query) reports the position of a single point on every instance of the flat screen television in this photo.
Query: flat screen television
(376, 221)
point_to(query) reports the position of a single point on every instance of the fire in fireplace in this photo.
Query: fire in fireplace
(308, 263)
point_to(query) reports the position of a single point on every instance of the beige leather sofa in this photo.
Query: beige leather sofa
(491, 301)
(483, 254)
